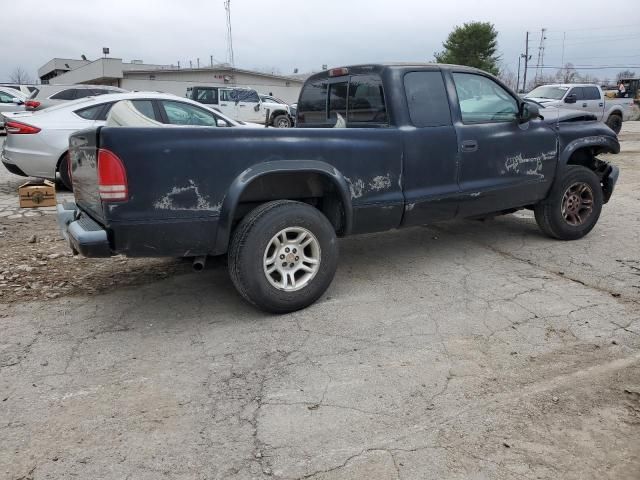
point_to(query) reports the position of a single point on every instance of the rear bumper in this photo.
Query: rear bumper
(84, 235)
(13, 168)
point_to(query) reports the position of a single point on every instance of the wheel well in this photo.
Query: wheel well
(60, 160)
(615, 113)
(315, 189)
(277, 113)
(587, 157)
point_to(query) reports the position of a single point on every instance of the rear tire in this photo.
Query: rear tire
(614, 122)
(283, 256)
(573, 205)
(282, 121)
(63, 171)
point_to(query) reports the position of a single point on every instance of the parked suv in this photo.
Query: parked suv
(243, 104)
(45, 96)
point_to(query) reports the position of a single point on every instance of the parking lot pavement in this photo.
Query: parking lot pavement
(9, 205)
(469, 350)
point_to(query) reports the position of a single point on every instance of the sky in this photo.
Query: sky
(280, 35)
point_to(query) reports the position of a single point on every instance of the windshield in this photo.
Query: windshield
(547, 91)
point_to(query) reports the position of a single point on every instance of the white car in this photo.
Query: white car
(37, 142)
(11, 100)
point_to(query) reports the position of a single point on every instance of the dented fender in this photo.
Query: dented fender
(605, 144)
(242, 181)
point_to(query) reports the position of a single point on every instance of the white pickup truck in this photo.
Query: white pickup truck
(242, 104)
(582, 96)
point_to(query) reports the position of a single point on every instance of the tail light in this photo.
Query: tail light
(19, 128)
(31, 104)
(112, 177)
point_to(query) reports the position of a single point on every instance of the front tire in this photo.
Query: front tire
(573, 205)
(614, 122)
(282, 121)
(283, 256)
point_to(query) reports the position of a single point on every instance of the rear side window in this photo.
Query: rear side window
(577, 91)
(207, 96)
(34, 93)
(179, 113)
(366, 100)
(427, 99)
(591, 93)
(89, 113)
(68, 94)
(312, 107)
(245, 96)
(145, 107)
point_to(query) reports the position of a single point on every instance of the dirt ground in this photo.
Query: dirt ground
(466, 350)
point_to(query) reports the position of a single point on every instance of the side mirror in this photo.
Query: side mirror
(528, 111)
(221, 123)
(17, 101)
(570, 98)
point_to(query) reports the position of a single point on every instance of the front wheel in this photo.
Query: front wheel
(573, 206)
(282, 121)
(283, 256)
(614, 122)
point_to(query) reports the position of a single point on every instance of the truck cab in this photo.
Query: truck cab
(242, 104)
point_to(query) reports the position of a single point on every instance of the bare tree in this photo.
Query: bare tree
(625, 74)
(567, 74)
(20, 76)
(508, 78)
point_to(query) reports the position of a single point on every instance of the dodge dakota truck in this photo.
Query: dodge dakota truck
(411, 144)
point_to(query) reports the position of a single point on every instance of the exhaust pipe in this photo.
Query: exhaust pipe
(198, 263)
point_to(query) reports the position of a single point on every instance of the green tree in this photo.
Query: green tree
(474, 44)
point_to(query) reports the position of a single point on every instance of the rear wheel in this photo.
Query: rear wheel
(63, 171)
(614, 122)
(283, 256)
(573, 206)
(282, 121)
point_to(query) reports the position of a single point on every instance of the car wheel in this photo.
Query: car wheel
(63, 171)
(283, 256)
(282, 121)
(573, 206)
(614, 122)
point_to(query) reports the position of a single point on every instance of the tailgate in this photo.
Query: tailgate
(83, 156)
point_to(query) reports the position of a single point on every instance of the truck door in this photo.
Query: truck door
(248, 105)
(503, 163)
(430, 170)
(576, 99)
(227, 103)
(593, 99)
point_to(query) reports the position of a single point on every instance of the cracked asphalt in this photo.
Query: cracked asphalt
(466, 350)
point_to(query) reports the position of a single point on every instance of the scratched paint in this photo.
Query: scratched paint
(528, 165)
(186, 198)
(380, 182)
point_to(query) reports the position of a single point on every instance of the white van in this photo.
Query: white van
(242, 104)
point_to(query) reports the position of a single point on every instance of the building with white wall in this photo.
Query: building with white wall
(164, 78)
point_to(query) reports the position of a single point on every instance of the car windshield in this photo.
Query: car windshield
(546, 91)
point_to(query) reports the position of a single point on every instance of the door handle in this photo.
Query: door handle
(469, 146)
(242, 105)
(584, 105)
(223, 104)
(601, 104)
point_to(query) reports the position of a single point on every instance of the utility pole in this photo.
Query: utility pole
(227, 7)
(526, 62)
(540, 62)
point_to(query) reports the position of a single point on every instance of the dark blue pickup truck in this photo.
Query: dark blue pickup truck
(376, 147)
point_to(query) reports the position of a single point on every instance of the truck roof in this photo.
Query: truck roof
(381, 67)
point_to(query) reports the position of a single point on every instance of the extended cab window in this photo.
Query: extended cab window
(427, 99)
(482, 100)
(312, 107)
(241, 95)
